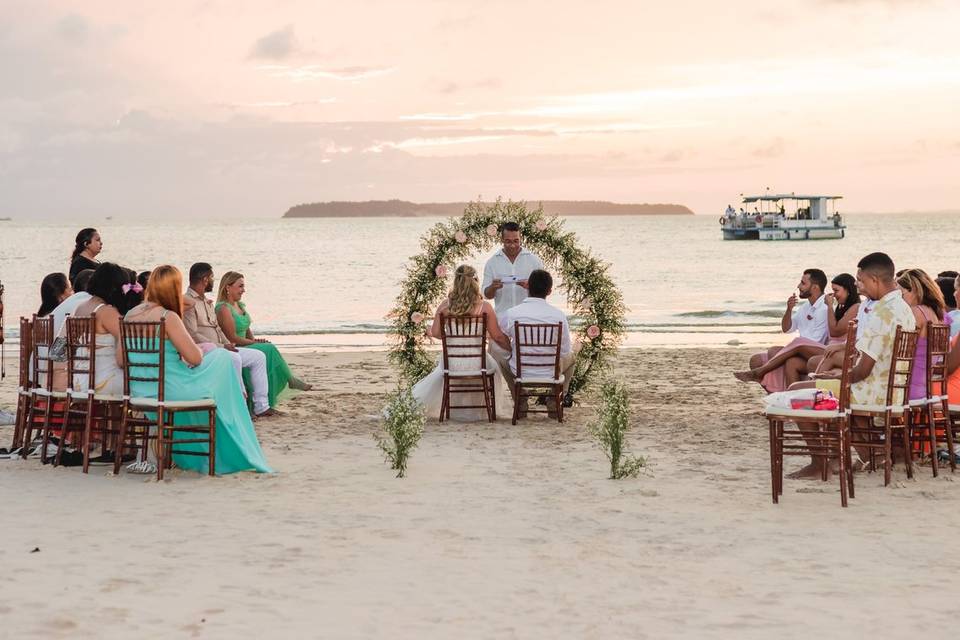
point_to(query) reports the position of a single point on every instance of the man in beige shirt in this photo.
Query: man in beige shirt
(200, 319)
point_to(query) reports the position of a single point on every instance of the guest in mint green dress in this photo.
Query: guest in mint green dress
(191, 376)
(234, 320)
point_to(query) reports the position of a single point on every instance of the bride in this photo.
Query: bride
(464, 300)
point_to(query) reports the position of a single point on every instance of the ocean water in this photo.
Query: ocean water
(328, 283)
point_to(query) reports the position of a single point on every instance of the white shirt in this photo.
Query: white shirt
(498, 266)
(535, 311)
(810, 320)
(66, 308)
(954, 322)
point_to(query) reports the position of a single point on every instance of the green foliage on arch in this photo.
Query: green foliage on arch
(597, 304)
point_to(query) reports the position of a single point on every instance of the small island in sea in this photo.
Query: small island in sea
(404, 209)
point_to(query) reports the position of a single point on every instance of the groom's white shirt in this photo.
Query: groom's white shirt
(535, 311)
(498, 266)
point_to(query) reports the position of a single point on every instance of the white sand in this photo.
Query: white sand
(498, 531)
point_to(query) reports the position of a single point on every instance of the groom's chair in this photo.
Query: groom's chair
(465, 370)
(537, 350)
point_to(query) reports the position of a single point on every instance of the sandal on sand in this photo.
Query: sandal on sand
(143, 467)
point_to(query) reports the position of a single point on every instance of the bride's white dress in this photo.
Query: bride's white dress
(429, 391)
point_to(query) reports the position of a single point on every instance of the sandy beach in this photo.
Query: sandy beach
(498, 531)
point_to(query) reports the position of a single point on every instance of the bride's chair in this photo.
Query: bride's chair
(537, 350)
(465, 371)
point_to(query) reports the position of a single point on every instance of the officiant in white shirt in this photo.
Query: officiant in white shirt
(506, 273)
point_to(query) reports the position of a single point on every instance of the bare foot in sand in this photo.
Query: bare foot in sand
(300, 385)
(812, 470)
(746, 376)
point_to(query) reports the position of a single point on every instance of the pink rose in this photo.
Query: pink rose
(593, 331)
(460, 237)
(441, 271)
(541, 225)
(491, 230)
(416, 317)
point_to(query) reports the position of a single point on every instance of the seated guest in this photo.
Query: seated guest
(132, 292)
(189, 375)
(848, 308)
(70, 305)
(54, 289)
(779, 367)
(536, 310)
(84, 256)
(200, 319)
(235, 322)
(948, 287)
(925, 300)
(106, 295)
(875, 279)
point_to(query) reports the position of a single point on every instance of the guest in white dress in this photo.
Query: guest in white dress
(106, 294)
(464, 300)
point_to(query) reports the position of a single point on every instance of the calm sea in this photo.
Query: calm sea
(328, 283)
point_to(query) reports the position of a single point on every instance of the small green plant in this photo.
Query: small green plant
(613, 422)
(403, 425)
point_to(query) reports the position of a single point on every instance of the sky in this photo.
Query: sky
(241, 109)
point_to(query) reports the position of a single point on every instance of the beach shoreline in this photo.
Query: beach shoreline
(497, 530)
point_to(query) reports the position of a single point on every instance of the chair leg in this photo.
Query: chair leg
(932, 427)
(948, 421)
(773, 461)
(445, 398)
(493, 398)
(907, 448)
(887, 455)
(87, 433)
(212, 424)
(161, 444)
(842, 461)
(847, 444)
(487, 390)
(516, 403)
(779, 444)
(558, 403)
(825, 462)
(121, 441)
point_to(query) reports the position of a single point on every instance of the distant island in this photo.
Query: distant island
(404, 209)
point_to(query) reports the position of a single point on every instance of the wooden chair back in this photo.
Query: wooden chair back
(81, 350)
(139, 341)
(901, 367)
(537, 346)
(26, 352)
(938, 346)
(472, 330)
(849, 351)
(42, 363)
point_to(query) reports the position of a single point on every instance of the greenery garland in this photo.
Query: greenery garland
(596, 303)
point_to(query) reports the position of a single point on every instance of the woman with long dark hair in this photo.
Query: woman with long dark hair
(88, 246)
(54, 289)
(847, 297)
(106, 299)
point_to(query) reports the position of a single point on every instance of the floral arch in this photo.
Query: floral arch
(596, 303)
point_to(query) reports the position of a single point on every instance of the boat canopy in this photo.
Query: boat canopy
(785, 196)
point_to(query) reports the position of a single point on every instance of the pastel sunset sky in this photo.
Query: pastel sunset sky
(245, 108)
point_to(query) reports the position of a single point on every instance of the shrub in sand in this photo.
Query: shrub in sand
(403, 425)
(613, 422)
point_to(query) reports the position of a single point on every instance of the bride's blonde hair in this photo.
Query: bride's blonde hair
(466, 291)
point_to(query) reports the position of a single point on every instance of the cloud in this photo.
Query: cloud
(73, 28)
(278, 45)
(773, 150)
(450, 87)
(314, 72)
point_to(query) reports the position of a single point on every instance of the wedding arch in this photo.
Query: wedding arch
(596, 303)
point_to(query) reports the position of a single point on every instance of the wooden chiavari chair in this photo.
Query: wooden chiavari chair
(464, 340)
(932, 413)
(895, 416)
(823, 435)
(537, 347)
(143, 361)
(44, 401)
(24, 384)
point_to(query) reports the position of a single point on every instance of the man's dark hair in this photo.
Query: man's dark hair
(817, 277)
(539, 283)
(946, 288)
(509, 226)
(82, 279)
(199, 271)
(948, 274)
(879, 264)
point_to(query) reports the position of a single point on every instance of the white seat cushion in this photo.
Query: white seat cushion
(955, 408)
(58, 395)
(532, 380)
(152, 403)
(873, 408)
(466, 374)
(82, 395)
(807, 414)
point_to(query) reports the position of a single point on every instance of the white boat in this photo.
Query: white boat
(784, 217)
